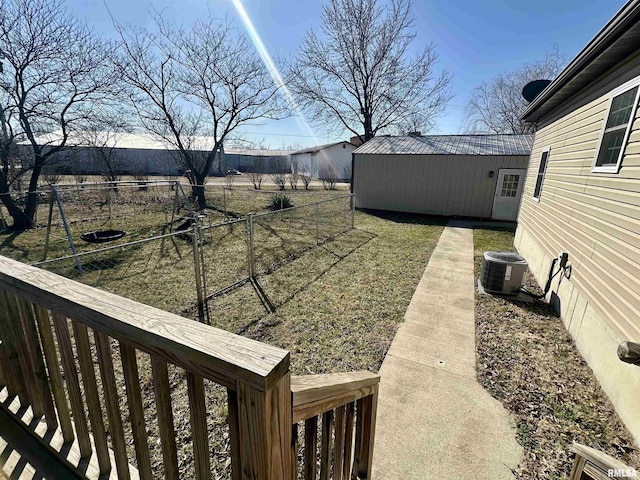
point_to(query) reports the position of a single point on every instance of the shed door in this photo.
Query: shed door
(508, 192)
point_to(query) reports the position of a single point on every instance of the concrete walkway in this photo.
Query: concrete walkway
(434, 419)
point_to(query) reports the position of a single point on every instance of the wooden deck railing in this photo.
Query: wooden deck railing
(343, 401)
(53, 331)
(592, 464)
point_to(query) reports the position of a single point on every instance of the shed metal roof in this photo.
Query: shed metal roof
(508, 145)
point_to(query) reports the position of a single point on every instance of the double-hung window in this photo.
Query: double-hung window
(615, 132)
(542, 170)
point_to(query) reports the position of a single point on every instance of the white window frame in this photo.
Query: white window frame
(546, 150)
(614, 93)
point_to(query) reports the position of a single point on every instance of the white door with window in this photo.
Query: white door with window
(506, 201)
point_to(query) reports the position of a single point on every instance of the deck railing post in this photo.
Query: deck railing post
(261, 436)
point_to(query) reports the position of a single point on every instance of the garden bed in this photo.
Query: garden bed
(526, 359)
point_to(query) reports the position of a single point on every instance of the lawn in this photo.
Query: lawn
(528, 361)
(337, 309)
(142, 271)
(337, 305)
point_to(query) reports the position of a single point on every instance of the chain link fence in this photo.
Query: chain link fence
(159, 271)
(183, 269)
(281, 236)
(238, 202)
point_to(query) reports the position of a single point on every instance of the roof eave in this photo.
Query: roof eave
(626, 17)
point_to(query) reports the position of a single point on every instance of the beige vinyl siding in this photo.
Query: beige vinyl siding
(452, 185)
(593, 216)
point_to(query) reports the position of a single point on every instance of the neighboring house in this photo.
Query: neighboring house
(582, 197)
(454, 175)
(142, 153)
(333, 158)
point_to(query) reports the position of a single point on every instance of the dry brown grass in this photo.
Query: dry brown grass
(528, 361)
(337, 306)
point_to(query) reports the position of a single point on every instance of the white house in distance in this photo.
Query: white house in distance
(333, 158)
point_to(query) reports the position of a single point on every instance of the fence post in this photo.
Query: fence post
(352, 199)
(317, 226)
(49, 220)
(224, 201)
(250, 256)
(196, 266)
(66, 228)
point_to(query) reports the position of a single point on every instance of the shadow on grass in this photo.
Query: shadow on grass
(14, 251)
(344, 246)
(402, 217)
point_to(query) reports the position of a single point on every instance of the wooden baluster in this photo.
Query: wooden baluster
(165, 418)
(107, 375)
(73, 384)
(30, 392)
(338, 458)
(348, 441)
(310, 447)
(365, 435)
(295, 448)
(10, 356)
(94, 408)
(325, 448)
(198, 416)
(41, 387)
(55, 377)
(136, 412)
(234, 435)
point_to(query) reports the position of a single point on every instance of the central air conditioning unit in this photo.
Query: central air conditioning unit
(503, 272)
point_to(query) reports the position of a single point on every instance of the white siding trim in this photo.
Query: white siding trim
(614, 93)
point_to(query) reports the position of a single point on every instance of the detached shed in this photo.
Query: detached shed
(454, 175)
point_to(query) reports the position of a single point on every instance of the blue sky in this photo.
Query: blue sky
(476, 40)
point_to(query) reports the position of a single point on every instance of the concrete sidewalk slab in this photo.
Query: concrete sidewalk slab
(434, 419)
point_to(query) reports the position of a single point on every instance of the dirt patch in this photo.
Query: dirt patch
(526, 359)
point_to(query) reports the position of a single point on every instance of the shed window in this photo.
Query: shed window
(544, 160)
(510, 186)
(616, 130)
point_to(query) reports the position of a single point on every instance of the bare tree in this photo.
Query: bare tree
(412, 123)
(293, 180)
(328, 174)
(256, 175)
(305, 175)
(256, 178)
(55, 76)
(359, 75)
(194, 86)
(279, 172)
(495, 106)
